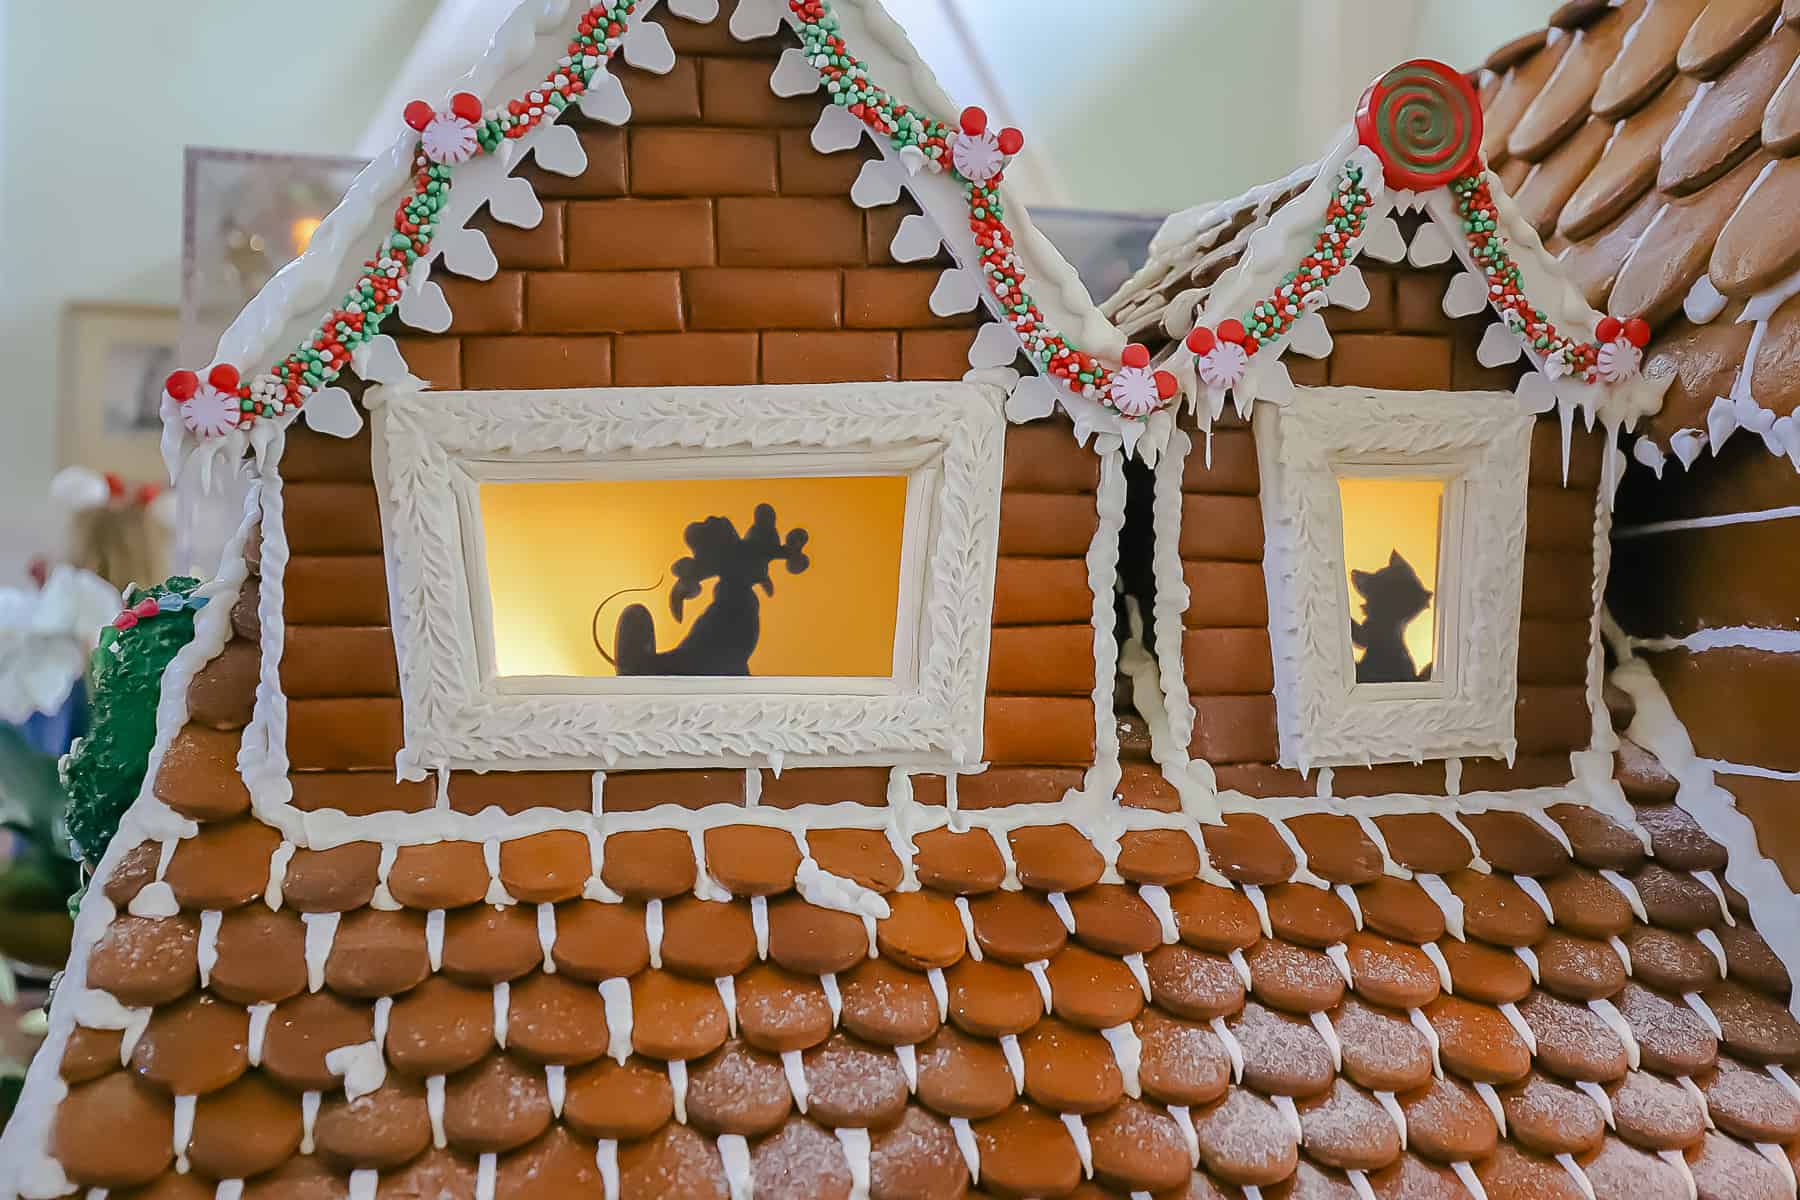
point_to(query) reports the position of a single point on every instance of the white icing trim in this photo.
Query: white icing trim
(1774, 907)
(1483, 442)
(429, 451)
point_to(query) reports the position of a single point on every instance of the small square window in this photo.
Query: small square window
(1395, 546)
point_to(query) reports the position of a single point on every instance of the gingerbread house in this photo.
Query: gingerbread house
(736, 680)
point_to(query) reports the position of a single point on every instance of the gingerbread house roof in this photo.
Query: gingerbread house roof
(741, 983)
(1648, 144)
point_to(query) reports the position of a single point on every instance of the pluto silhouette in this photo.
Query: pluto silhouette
(1392, 597)
(721, 639)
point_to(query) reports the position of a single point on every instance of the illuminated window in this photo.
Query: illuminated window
(764, 577)
(1394, 552)
(1393, 530)
(619, 578)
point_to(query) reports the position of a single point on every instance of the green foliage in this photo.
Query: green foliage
(104, 771)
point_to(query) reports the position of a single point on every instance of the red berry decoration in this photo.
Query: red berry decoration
(1136, 355)
(147, 607)
(1637, 332)
(1609, 329)
(1231, 330)
(1201, 341)
(419, 115)
(1011, 141)
(115, 486)
(466, 105)
(974, 121)
(1423, 121)
(224, 377)
(1166, 385)
(182, 385)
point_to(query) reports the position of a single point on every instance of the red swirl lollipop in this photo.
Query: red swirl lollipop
(1423, 121)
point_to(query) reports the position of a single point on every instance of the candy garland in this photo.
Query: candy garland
(1222, 356)
(978, 157)
(224, 402)
(1422, 120)
(1617, 353)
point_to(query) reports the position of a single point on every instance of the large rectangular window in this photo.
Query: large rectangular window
(1393, 533)
(620, 577)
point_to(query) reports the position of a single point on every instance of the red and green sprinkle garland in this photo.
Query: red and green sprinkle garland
(848, 83)
(1506, 289)
(318, 361)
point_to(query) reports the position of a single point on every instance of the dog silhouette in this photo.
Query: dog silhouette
(1392, 597)
(721, 639)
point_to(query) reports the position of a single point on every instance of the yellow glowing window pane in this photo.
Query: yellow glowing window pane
(560, 554)
(1392, 534)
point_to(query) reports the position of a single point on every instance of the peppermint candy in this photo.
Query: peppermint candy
(1220, 358)
(978, 153)
(211, 407)
(1137, 391)
(447, 137)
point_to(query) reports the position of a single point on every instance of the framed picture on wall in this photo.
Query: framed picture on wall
(115, 359)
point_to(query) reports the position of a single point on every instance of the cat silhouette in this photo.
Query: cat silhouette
(1392, 597)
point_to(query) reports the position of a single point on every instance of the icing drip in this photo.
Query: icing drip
(434, 1108)
(735, 1154)
(1015, 1060)
(1423, 1025)
(556, 1084)
(795, 1070)
(1517, 1020)
(383, 900)
(1712, 885)
(1529, 957)
(1127, 1052)
(653, 931)
(154, 900)
(1260, 904)
(1705, 1013)
(434, 939)
(1157, 897)
(278, 864)
(1577, 1174)
(487, 1171)
(1491, 1098)
(1135, 964)
(363, 1181)
(1627, 889)
(678, 1084)
(321, 929)
(502, 1012)
(968, 924)
(909, 1066)
(183, 1127)
(546, 931)
(1359, 1183)
(616, 995)
(1601, 1100)
(1328, 1034)
(1436, 956)
(1465, 1175)
(1339, 954)
(207, 951)
(1233, 1050)
(1347, 894)
(1285, 1106)
(759, 921)
(1447, 901)
(833, 997)
(1535, 890)
(1620, 950)
(965, 1142)
(1083, 1147)
(856, 1153)
(1615, 1021)
(728, 997)
(1184, 1121)
(309, 1116)
(1395, 1113)
(1242, 966)
(935, 977)
(1060, 903)
(606, 1157)
(259, 1030)
(1698, 1097)
(361, 1065)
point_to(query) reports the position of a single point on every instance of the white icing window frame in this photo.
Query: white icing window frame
(1481, 443)
(433, 449)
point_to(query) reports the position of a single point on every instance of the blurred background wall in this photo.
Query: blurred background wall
(1143, 105)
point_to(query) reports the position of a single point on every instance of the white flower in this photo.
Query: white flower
(46, 637)
(1223, 365)
(210, 411)
(449, 139)
(1134, 391)
(977, 156)
(1618, 361)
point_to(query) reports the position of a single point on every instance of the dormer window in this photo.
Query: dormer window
(1395, 525)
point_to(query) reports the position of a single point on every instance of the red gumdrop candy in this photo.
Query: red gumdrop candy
(1637, 331)
(1201, 341)
(224, 377)
(1608, 329)
(419, 115)
(974, 121)
(1011, 141)
(125, 620)
(1165, 384)
(1135, 356)
(466, 105)
(182, 385)
(147, 607)
(1231, 330)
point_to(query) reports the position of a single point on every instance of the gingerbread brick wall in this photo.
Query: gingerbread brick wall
(1402, 340)
(707, 243)
(1737, 702)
